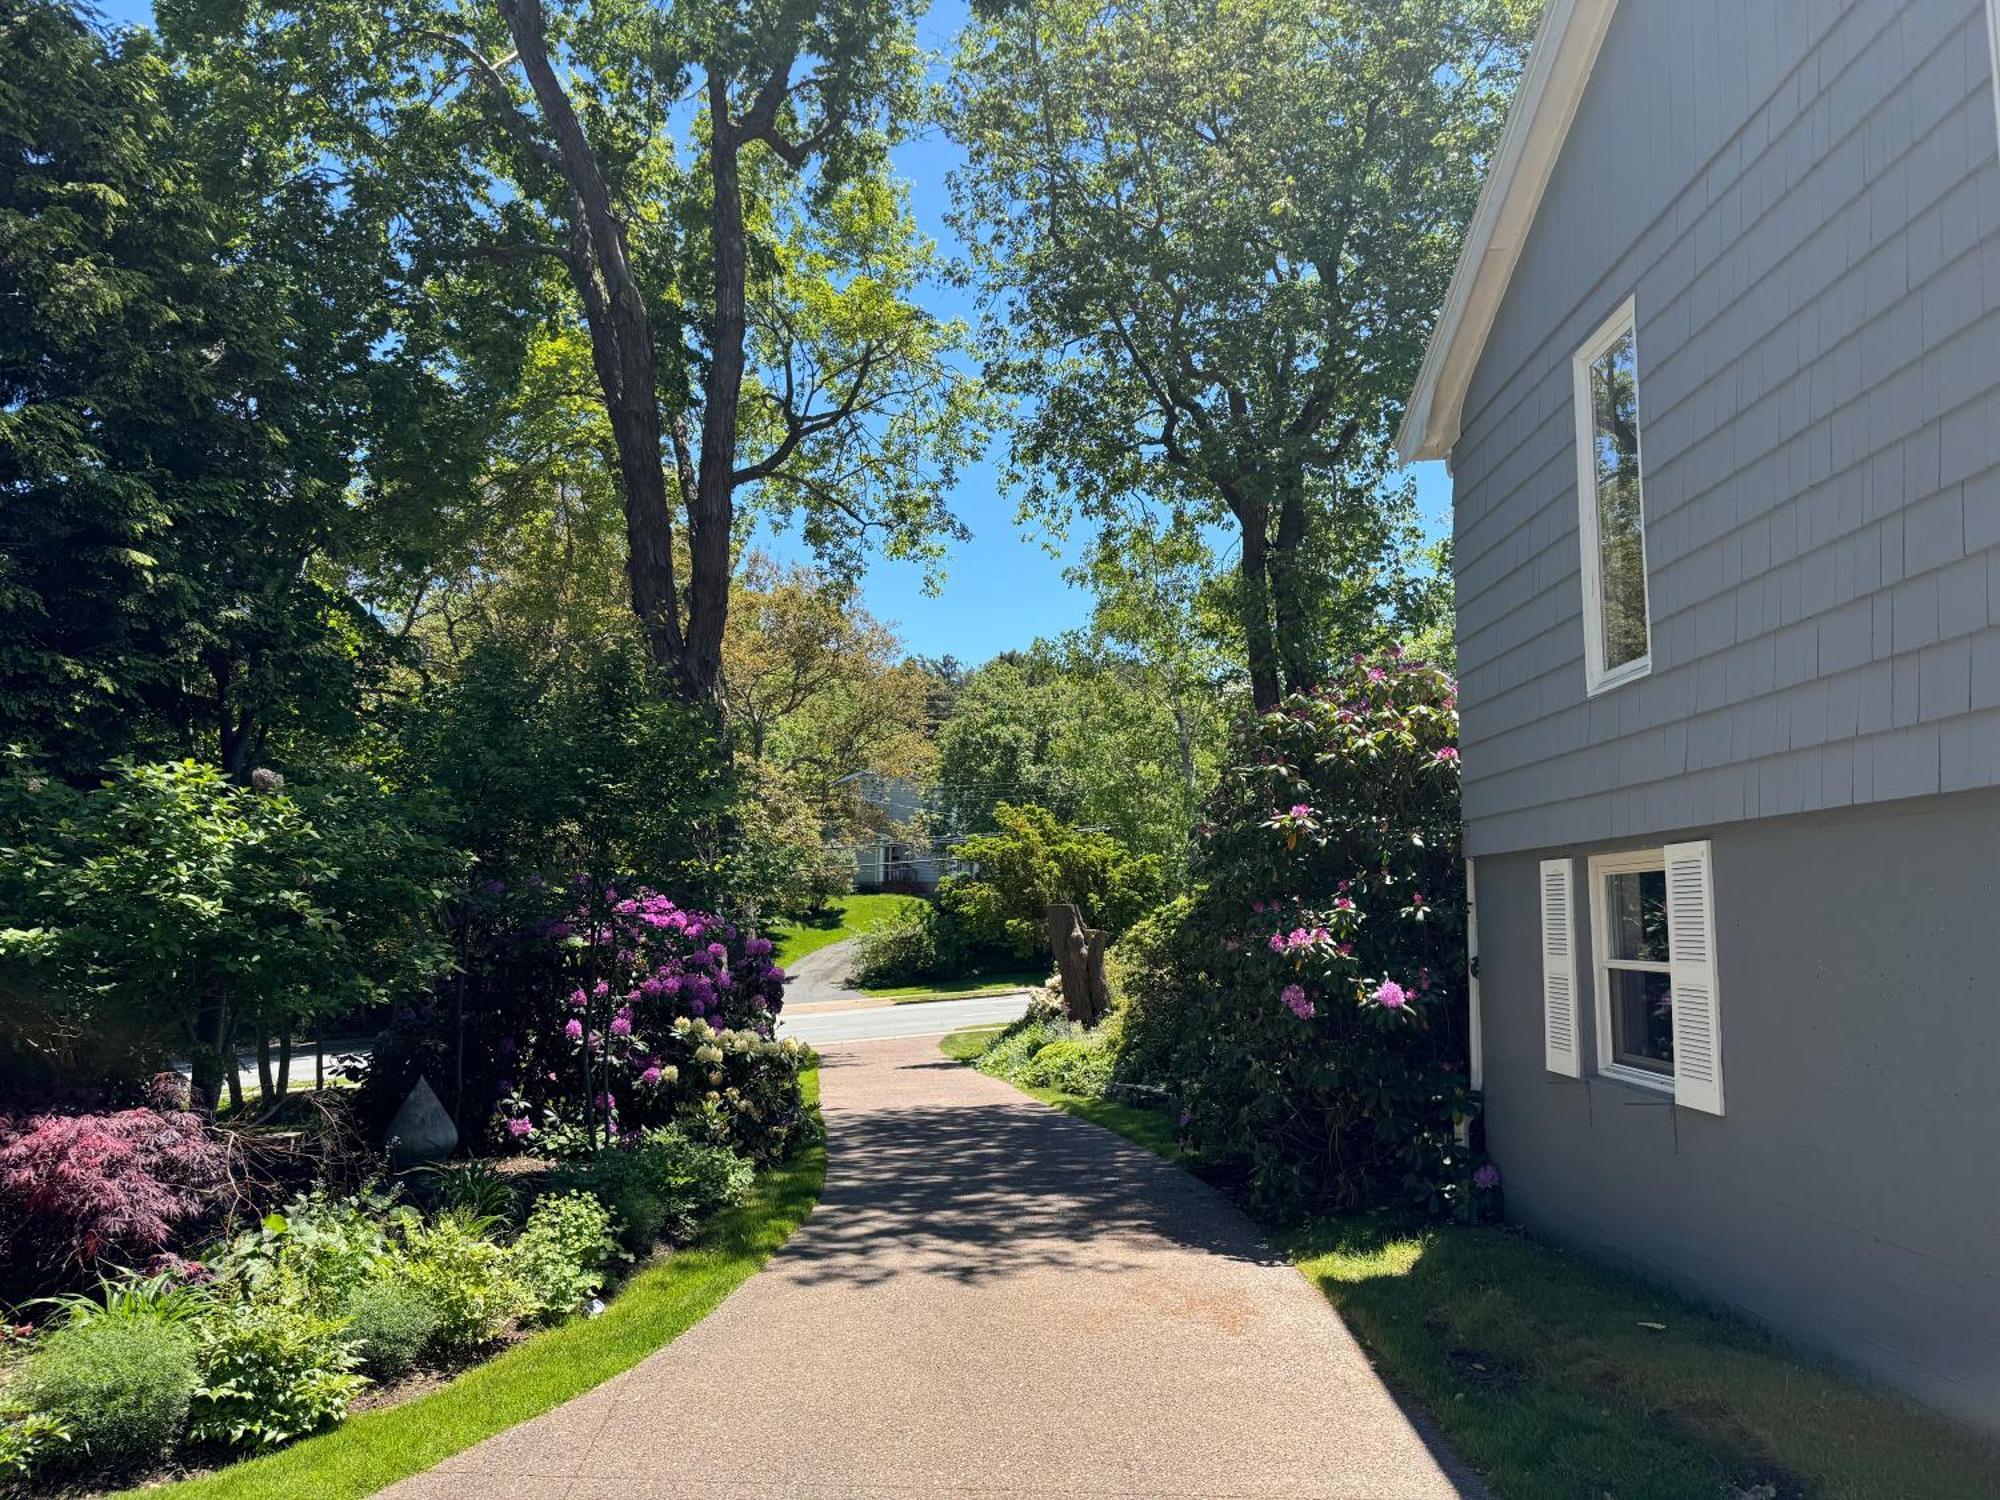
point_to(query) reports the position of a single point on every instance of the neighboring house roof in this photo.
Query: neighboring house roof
(1559, 67)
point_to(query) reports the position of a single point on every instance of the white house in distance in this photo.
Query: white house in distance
(896, 849)
(1719, 382)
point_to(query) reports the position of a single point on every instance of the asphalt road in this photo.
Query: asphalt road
(933, 1018)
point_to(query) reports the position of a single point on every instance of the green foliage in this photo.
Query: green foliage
(1307, 1006)
(120, 1387)
(1039, 1053)
(661, 1187)
(318, 1249)
(1071, 1065)
(562, 1253)
(1034, 861)
(30, 1441)
(1215, 318)
(474, 1187)
(1121, 730)
(173, 906)
(390, 1324)
(699, 1178)
(466, 1277)
(134, 1300)
(629, 1189)
(271, 1370)
(925, 942)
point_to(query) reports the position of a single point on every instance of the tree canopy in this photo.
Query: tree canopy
(1212, 237)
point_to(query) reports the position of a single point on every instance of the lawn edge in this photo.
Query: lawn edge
(376, 1449)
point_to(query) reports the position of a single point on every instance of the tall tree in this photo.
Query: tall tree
(1213, 234)
(703, 190)
(196, 354)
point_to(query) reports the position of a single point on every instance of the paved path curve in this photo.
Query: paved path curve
(992, 1300)
(823, 975)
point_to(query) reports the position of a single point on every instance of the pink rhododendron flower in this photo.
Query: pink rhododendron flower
(1391, 995)
(573, 1029)
(518, 1127)
(1296, 998)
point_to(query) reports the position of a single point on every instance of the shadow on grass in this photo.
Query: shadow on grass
(1556, 1375)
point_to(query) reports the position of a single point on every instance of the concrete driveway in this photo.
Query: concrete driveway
(992, 1299)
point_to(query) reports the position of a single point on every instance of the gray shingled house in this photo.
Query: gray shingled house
(1719, 382)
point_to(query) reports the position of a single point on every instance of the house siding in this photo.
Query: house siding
(1804, 197)
(1848, 1197)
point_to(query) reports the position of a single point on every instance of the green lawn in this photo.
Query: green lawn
(963, 989)
(1555, 1376)
(845, 917)
(377, 1448)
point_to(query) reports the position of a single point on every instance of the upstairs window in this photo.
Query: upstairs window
(1617, 644)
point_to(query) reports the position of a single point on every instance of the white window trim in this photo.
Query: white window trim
(1602, 865)
(1993, 40)
(1596, 679)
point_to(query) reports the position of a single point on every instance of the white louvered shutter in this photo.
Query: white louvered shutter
(1559, 1037)
(1697, 1014)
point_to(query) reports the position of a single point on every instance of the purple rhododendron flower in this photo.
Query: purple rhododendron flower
(1299, 1002)
(573, 1029)
(518, 1127)
(1301, 810)
(621, 1024)
(651, 1078)
(1487, 1178)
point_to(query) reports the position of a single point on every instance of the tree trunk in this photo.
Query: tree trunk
(285, 1059)
(1289, 607)
(621, 344)
(267, 1088)
(1254, 571)
(710, 519)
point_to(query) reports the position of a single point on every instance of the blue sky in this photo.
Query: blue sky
(1002, 587)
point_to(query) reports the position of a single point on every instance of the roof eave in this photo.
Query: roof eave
(1559, 67)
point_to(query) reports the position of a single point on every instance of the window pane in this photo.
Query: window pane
(1637, 903)
(1621, 563)
(1642, 1020)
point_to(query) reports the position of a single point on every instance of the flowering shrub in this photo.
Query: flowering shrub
(78, 1189)
(1308, 1003)
(667, 1014)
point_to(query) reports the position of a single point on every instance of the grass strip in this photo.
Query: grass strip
(969, 988)
(374, 1450)
(1554, 1375)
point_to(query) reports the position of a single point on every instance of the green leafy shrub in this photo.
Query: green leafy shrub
(31, 1441)
(119, 1386)
(561, 1255)
(391, 1324)
(1077, 1064)
(272, 1370)
(1033, 861)
(1307, 1004)
(455, 1264)
(629, 1189)
(320, 1248)
(696, 1178)
(917, 946)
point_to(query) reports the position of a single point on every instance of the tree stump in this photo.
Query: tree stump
(1079, 954)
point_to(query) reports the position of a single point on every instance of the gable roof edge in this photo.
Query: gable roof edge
(1559, 67)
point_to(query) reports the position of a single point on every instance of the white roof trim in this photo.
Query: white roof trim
(1565, 52)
